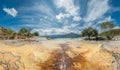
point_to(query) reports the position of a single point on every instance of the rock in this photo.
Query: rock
(116, 61)
(10, 62)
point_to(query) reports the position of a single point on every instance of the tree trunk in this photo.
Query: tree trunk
(88, 37)
(96, 38)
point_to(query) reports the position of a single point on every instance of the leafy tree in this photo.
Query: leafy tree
(3, 31)
(27, 33)
(35, 34)
(24, 32)
(94, 33)
(111, 33)
(10, 33)
(106, 26)
(90, 32)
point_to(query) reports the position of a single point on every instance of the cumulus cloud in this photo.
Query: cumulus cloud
(96, 9)
(63, 30)
(69, 7)
(11, 11)
(77, 18)
(61, 15)
(68, 12)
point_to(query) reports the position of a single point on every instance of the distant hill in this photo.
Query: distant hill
(69, 35)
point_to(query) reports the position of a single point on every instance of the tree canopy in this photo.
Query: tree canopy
(90, 32)
(107, 26)
(22, 33)
(107, 29)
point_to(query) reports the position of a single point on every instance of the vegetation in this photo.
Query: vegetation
(8, 33)
(90, 32)
(23, 33)
(35, 34)
(107, 30)
(106, 26)
(48, 37)
(112, 33)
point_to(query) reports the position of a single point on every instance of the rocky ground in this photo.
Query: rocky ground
(59, 55)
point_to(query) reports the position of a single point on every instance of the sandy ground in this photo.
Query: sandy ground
(31, 54)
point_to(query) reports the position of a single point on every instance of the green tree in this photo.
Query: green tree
(3, 31)
(10, 33)
(35, 34)
(24, 32)
(107, 26)
(90, 32)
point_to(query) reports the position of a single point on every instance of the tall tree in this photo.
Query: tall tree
(24, 32)
(10, 33)
(90, 32)
(35, 34)
(107, 26)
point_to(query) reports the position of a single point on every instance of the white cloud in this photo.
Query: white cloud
(66, 9)
(61, 15)
(117, 27)
(96, 9)
(63, 30)
(77, 18)
(44, 9)
(39, 8)
(69, 7)
(45, 17)
(106, 19)
(10, 11)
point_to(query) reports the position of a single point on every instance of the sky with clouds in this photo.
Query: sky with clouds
(58, 16)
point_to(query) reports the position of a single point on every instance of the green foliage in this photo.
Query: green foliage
(106, 26)
(10, 32)
(35, 34)
(90, 32)
(27, 33)
(7, 32)
(113, 32)
(48, 38)
(22, 34)
(108, 32)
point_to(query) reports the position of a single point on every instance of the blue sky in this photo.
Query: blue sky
(58, 16)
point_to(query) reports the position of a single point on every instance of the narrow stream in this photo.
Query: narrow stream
(63, 60)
